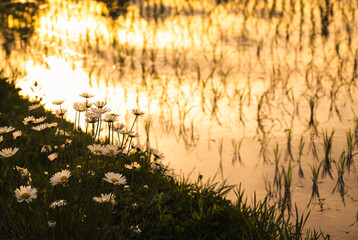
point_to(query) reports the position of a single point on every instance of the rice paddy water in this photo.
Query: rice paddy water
(261, 93)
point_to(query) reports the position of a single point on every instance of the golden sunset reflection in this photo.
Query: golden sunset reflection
(206, 74)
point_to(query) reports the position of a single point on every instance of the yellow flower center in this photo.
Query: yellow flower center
(20, 169)
(111, 150)
(63, 178)
(98, 151)
(25, 195)
(9, 154)
(105, 199)
(114, 180)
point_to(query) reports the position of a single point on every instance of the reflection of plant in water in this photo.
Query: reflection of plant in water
(315, 174)
(17, 20)
(349, 149)
(264, 139)
(236, 156)
(220, 148)
(327, 146)
(116, 7)
(313, 102)
(277, 183)
(340, 165)
(312, 147)
(287, 180)
(333, 99)
(300, 151)
(288, 155)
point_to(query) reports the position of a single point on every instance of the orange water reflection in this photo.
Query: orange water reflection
(204, 73)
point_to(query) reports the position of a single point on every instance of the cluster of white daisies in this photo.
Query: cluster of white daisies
(28, 193)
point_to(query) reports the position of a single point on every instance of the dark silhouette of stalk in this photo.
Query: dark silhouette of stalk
(289, 155)
(287, 177)
(277, 181)
(315, 174)
(349, 150)
(300, 151)
(327, 146)
(340, 165)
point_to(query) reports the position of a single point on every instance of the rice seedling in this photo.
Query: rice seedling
(327, 148)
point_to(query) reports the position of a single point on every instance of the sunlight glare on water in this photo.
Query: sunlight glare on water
(234, 77)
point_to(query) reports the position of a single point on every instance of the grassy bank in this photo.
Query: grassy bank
(57, 182)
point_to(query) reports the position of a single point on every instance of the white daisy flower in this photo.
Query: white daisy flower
(58, 203)
(60, 177)
(111, 150)
(91, 120)
(133, 165)
(138, 147)
(133, 134)
(29, 119)
(157, 154)
(115, 178)
(119, 126)
(6, 129)
(156, 166)
(25, 193)
(170, 172)
(136, 229)
(105, 198)
(39, 120)
(61, 112)
(97, 149)
(92, 115)
(46, 148)
(54, 124)
(51, 223)
(61, 132)
(16, 134)
(58, 102)
(80, 106)
(110, 117)
(137, 112)
(86, 95)
(124, 131)
(100, 104)
(23, 171)
(100, 111)
(34, 106)
(40, 127)
(8, 152)
(52, 156)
